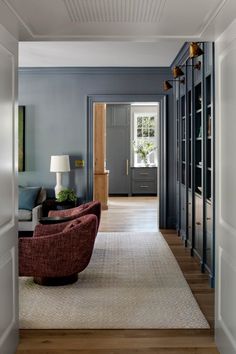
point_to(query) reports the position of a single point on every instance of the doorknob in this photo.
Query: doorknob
(127, 167)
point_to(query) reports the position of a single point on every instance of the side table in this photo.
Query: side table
(47, 220)
(53, 204)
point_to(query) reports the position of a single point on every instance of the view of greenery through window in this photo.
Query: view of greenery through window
(145, 130)
(145, 127)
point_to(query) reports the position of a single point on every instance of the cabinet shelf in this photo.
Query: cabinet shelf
(198, 194)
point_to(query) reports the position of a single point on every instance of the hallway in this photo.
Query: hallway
(134, 214)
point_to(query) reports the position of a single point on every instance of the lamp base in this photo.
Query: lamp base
(58, 187)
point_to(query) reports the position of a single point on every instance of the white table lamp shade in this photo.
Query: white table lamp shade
(60, 163)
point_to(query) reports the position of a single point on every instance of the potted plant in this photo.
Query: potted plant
(143, 150)
(67, 195)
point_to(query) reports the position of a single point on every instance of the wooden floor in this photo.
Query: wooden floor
(130, 214)
(134, 214)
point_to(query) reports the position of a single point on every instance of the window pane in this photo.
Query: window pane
(145, 132)
(139, 133)
(151, 132)
(139, 122)
(145, 120)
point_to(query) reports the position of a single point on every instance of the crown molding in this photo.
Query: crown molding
(98, 70)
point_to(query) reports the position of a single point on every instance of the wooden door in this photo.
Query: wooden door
(8, 204)
(118, 148)
(226, 191)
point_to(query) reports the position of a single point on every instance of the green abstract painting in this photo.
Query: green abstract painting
(21, 139)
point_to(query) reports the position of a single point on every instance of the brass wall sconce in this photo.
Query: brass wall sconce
(167, 86)
(195, 50)
(177, 71)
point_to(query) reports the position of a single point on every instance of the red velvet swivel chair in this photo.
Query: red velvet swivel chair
(93, 207)
(57, 253)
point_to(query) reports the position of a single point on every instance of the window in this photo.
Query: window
(145, 130)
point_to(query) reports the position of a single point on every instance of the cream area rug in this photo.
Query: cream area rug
(132, 281)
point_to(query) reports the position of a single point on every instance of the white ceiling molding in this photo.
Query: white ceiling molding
(130, 20)
(212, 17)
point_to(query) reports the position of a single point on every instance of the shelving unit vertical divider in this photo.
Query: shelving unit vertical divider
(204, 172)
(186, 153)
(179, 157)
(193, 159)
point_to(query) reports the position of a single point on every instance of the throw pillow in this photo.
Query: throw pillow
(27, 197)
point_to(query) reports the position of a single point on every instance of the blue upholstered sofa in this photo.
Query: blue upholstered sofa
(30, 207)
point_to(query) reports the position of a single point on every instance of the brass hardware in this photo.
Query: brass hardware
(143, 173)
(197, 65)
(208, 218)
(177, 72)
(198, 223)
(167, 86)
(127, 167)
(195, 50)
(79, 163)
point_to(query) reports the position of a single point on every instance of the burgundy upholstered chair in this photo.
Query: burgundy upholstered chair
(57, 253)
(93, 207)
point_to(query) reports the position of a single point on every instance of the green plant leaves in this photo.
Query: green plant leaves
(67, 195)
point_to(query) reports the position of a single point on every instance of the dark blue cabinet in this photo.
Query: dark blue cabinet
(144, 180)
(118, 148)
(194, 115)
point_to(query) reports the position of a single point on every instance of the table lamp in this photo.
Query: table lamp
(59, 164)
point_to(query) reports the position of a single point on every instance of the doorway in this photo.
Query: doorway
(126, 143)
(160, 182)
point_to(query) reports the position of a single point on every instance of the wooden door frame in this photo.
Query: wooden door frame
(162, 155)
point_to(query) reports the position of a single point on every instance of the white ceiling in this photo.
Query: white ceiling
(111, 32)
(112, 19)
(59, 54)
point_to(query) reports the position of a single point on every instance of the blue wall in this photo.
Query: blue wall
(56, 117)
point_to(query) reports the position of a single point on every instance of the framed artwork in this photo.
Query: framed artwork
(21, 139)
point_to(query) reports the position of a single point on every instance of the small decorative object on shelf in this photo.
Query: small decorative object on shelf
(200, 132)
(67, 195)
(143, 150)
